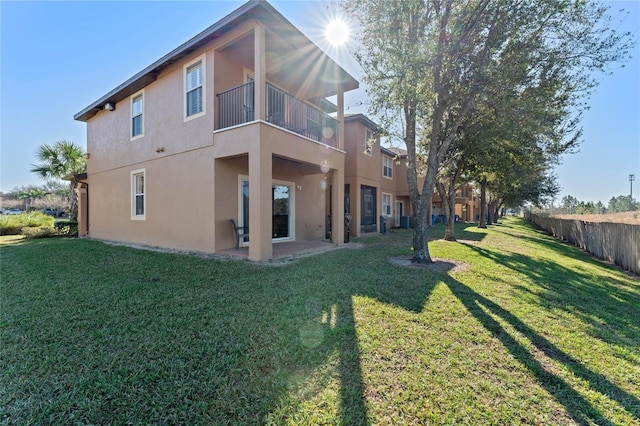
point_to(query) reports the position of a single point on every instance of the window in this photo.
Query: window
(386, 204)
(137, 106)
(137, 195)
(368, 142)
(387, 166)
(194, 89)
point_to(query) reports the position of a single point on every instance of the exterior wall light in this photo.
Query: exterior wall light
(110, 106)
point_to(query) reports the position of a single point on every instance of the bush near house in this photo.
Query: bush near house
(13, 225)
(38, 232)
(67, 228)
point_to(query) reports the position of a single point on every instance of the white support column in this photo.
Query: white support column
(337, 204)
(340, 138)
(259, 55)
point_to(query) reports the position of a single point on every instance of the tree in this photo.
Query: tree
(62, 160)
(585, 208)
(622, 203)
(430, 61)
(569, 203)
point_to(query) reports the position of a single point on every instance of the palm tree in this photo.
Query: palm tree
(62, 160)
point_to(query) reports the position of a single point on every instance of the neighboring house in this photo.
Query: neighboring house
(376, 182)
(370, 178)
(233, 124)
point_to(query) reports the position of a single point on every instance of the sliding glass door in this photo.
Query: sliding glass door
(282, 208)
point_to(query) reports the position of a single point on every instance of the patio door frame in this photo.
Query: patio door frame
(399, 212)
(292, 205)
(368, 208)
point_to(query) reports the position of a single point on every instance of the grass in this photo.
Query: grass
(530, 332)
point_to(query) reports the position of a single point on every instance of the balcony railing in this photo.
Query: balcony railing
(236, 106)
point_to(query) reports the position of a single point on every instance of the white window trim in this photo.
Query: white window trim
(200, 59)
(382, 209)
(248, 74)
(386, 157)
(134, 173)
(368, 134)
(131, 98)
(240, 212)
(292, 208)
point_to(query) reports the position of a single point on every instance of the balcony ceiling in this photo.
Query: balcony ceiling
(304, 71)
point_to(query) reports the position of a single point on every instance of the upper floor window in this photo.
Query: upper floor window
(137, 195)
(387, 166)
(194, 88)
(137, 106)
(368, 141)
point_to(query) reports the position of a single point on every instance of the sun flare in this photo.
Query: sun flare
(337, 32)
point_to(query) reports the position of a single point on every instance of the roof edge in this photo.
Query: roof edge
(363, 118)
(151, 72)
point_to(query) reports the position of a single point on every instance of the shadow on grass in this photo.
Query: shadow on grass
(159, 338)
(406, 291)
(608, 304)
(143, 337)
(581, 410)
(467, 231)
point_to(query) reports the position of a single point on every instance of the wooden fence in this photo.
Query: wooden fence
(616, 242)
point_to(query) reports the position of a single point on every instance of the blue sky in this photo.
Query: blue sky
(58, 57)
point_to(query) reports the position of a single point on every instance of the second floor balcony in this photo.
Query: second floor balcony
(237, 106)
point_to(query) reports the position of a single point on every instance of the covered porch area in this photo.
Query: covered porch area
(278, 186)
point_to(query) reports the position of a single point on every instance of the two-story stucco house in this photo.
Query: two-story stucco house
(233, 124)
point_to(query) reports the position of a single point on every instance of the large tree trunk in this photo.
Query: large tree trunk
(419, 201)
(449, 209)
(483, 204)
(490, 218)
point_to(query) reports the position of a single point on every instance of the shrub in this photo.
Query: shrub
(31, 232)
(67, 228)
(12, 225)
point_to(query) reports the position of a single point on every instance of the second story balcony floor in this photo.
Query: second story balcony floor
(236, 106)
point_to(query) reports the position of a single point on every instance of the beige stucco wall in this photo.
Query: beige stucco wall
(178, 203)
(108, 133)
(362, 169)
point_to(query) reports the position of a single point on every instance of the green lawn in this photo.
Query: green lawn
(530, 332)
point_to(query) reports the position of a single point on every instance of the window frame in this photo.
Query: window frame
(242, 212)
(368, 135)
(386, 167)
(134, 194)
(387, 212)
(133, 97)
(185, 70)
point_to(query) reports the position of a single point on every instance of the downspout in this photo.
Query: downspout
(87, 215)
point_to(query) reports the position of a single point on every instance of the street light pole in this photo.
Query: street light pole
(631, 179)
